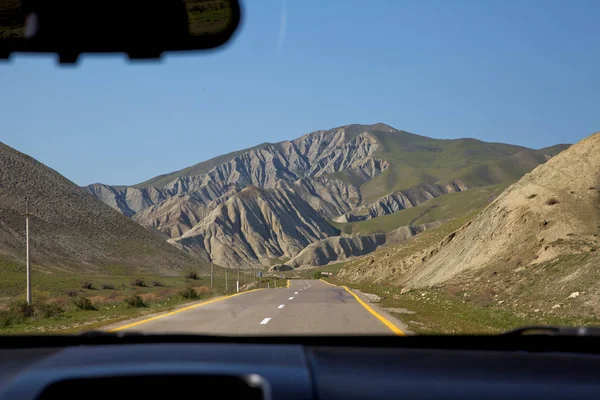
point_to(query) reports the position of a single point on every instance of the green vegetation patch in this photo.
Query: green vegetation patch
(448, 206)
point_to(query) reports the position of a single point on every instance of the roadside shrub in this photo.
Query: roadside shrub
(82, 303)
(87, 285)
(134, 301)
(7, 319)
(138, 282)
(157, 284)
(552, 201)
(192, 275)
(108, 286)
(189, 293)
(317, 275)
(48, 310)
(21, 309)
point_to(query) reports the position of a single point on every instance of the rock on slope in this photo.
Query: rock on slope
(69, 228)
(253, 225)
(551, 212)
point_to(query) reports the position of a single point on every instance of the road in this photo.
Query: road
(310, 307)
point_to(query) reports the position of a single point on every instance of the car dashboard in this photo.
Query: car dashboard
(320, 369)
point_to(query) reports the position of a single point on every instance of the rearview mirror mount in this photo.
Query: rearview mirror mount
(142, 29)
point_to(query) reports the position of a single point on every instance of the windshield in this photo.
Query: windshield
(341, 167)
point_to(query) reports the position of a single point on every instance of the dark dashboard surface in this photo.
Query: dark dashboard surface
(307, 371)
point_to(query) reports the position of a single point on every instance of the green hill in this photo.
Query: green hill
(449, 206)
(414, 159)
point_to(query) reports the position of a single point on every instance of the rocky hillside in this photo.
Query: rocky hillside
(256, 225)
(404, 199)
(350, 173)
(340, 248)
(541, 233)
(333, 249)
(69, 228)
(304, 163)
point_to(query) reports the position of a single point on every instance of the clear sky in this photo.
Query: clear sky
(517, 71)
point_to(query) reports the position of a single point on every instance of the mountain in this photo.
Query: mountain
(312, 157)
(537, 240)
(350, 174)
(68, 227)
(256, 225)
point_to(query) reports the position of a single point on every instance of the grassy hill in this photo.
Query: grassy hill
(414, 159)
(449, 206)
(70, 230)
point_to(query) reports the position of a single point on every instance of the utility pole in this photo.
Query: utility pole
(28, 261)
(212, 274)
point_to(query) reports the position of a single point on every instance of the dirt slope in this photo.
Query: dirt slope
(69, 228)
(552, 212)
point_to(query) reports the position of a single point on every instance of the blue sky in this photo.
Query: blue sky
(516, 71)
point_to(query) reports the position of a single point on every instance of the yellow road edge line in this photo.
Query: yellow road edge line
(380, 317)
(179, 311)
(327, 282)
(288, 284)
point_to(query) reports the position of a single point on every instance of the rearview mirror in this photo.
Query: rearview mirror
(139, 28)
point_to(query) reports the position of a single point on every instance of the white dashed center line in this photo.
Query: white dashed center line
(295, 292)
(281, 306)
(265, 321)
(291, 298)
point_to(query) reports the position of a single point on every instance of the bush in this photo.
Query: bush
(552, 201)
(7, 319)
(317, 275)
(87, 285)
(157, 284)
(189, 293)
(192, 275)
(72, 293)
(138, 282)
(108, 286)
(531, 196)
(48, 310)
(82, 303)
(134, 301)
(21, 309)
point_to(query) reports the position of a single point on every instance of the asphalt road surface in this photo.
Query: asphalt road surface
(306, 307)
